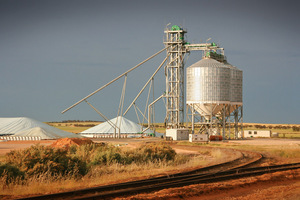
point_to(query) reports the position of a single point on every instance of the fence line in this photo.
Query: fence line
(107, 136)
(20, 138)
(91, 135)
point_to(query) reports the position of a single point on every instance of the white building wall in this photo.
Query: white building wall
(257, 133)
(198, 137)
(178, 134)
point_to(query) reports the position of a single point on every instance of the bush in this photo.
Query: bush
(149, 153)
(157, 152)
(106, 156)
(83, 152)
(296, 128)
(45, 161)
(41, 159)
(10, 173)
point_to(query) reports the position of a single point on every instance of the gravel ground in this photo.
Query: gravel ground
(267, 141)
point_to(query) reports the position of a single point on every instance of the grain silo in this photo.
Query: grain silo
(208, 87)
(236, 85)
(214, 95)
(235, 109)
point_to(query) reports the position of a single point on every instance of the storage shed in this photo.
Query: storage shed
(198, 137)
(257, 133)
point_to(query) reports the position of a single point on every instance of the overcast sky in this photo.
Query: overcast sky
(53, 53)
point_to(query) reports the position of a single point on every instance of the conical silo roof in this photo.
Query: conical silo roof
(208, 62)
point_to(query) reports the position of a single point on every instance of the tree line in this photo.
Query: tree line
(257, 126)
(74, 121)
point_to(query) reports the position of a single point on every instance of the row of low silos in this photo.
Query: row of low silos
(211, 85)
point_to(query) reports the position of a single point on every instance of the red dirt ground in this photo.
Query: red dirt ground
(67, 142)
(8, 146)
(275, 186)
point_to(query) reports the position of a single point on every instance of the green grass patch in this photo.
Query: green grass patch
(72, 129)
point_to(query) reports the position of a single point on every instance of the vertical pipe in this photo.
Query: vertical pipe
(211, 118)
(224, 115)
(242, 126)
(193, 119)
(236, 123)
(149, 116)
(229, 121)
(153, 108)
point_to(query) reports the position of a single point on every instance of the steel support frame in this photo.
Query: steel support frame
(114, 80)
(121, 104)
(233, 121)
(223, 121)
(174, 72)
(237, 121)
(206, 126)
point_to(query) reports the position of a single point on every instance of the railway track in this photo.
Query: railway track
(246, 158)
(189, 180)
(155, 184)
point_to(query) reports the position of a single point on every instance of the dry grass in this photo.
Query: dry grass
(99, 175)
(106, 174)
(281, 153)
(73, 127)
(114, 173)
(284, 152)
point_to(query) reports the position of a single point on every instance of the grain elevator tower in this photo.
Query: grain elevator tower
(174, 72)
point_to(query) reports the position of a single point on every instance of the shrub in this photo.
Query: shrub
(149, 153)
(49, 162)
(157, 152)
(10, 173)
(40, 159)
(296, 128)
(83, 152)
(106, 156)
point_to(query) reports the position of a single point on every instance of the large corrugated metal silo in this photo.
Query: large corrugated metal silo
(208, 87)
(214, 92)
(236, 87)
(236, 84)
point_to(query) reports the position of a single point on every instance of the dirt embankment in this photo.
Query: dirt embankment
(67, 142)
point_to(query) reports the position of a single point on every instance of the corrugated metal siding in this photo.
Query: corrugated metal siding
(236, 84)
(208, 81)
